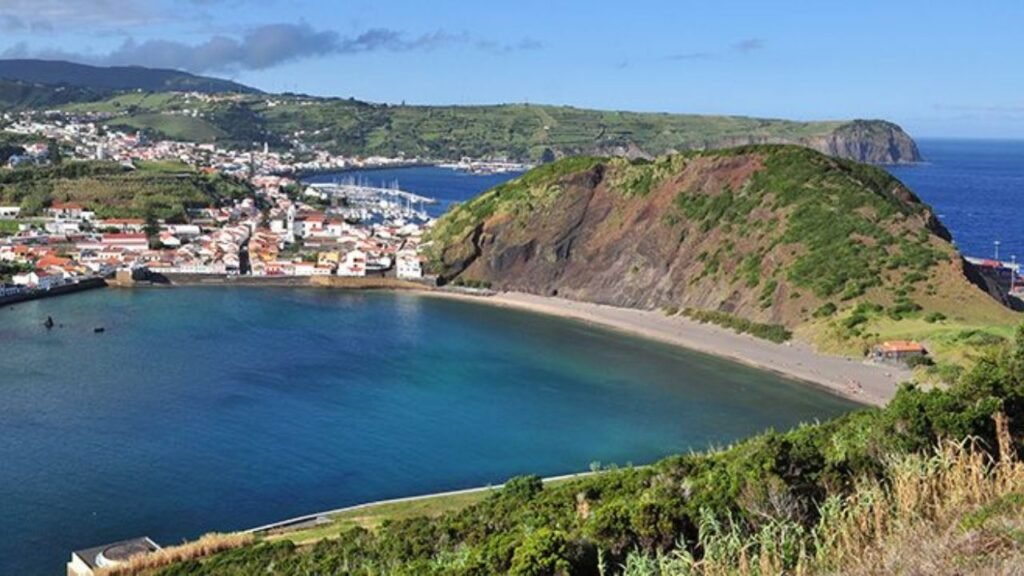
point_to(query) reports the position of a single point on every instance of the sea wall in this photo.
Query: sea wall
(87, 284)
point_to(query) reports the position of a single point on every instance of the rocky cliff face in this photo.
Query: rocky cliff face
(770, 233)
(865, 141)
(872, 142)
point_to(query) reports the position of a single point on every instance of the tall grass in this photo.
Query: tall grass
(206, 546)
(878, 528)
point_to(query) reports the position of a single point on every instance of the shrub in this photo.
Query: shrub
(772, 332)
(825, 310)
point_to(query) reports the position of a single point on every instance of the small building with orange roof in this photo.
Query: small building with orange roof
(898, 351)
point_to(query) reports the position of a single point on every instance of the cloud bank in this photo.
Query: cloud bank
(265, 47)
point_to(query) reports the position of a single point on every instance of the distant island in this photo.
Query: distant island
(180, 106)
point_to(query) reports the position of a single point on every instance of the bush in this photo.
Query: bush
(825, 310)
(772, 332)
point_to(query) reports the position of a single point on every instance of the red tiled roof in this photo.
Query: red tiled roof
(902, 346)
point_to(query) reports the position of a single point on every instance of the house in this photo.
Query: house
(169, 240)
(63, 227)
(309, 224)
(65, 210)
(303, 268)
(9, 212)
(408, 266)
(353, 265)
(101, 558)
(38, 279)
(128, 241)
(897, 351)
(328, 259)
(184, 230)
(124, 224)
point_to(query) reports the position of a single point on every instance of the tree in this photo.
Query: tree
(152, 230)
(544, 552)
(53, 149)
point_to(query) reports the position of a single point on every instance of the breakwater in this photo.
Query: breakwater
(81, 285)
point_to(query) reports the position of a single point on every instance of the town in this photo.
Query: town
(283, 229)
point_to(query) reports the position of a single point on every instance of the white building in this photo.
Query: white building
(353, 265)
(39, 280)
(408, 266)
(9, 212)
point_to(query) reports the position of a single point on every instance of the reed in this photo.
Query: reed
(928, 513)
(205, 546)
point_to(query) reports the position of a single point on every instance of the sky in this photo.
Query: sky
(938, 68)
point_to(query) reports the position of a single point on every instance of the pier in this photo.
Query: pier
(356, 191)
(360, 200)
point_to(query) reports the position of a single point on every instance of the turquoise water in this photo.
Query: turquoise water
(216, 408)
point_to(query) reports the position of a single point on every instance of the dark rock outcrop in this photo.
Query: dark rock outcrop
(868, 141)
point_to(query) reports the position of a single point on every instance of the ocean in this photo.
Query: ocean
(977, 189)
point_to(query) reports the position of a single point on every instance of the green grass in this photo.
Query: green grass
(8, 227)
(372, 517)
(164, 190)
(164, 166)
(171, 127)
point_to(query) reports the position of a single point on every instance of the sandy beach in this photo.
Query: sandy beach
(860, 381)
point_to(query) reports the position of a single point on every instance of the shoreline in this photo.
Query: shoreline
(860, 381)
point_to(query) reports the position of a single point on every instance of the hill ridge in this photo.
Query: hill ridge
(768, 234)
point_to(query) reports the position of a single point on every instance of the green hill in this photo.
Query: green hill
(18, 95)
(517, 131)
(769, 239)
(104, 79)
(163, 191)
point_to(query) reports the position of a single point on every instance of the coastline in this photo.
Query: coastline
(309, 520)
(859, 381)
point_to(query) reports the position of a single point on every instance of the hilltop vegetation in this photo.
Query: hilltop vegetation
(940, 468)
(18, 95)
(518, 131)
(840, 253)
(160, 191)
(105, 80)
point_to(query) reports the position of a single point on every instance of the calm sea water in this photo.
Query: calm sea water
(223, 408)
(977, 189)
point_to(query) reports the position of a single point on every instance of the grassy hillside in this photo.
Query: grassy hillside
(525, 132)
(930, 484)
(170, 127)
(839, 252)
(163, 191)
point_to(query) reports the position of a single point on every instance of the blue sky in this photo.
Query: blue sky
(938, 68)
